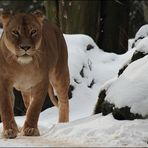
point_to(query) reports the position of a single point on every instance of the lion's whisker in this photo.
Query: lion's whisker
(9, 58)
(40, 51)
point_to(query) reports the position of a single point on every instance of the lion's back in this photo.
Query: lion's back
(55, 42)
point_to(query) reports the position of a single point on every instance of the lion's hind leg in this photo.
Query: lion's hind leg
(26, 98)
(53, 98)
(61, 86)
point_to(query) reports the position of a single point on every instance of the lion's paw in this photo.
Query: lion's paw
(30, 131)
(10, 133)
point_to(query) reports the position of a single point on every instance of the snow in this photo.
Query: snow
(143, 46)
(141, 33)
(85, 129)
(102, 131)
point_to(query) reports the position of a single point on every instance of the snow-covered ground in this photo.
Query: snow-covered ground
(89, 68)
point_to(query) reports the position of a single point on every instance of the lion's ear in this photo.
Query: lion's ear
(39, 15)
(5, 17)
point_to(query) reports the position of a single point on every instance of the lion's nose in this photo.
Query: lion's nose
(25, 47)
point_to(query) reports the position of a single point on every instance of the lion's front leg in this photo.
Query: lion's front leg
(10, 129)
(38, 94)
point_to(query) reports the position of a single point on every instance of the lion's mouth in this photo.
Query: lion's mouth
(24, 59)
(22, 55)
(25, 55)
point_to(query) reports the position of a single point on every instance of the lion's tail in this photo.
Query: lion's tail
(53, 98)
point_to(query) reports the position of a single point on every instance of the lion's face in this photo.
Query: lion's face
(23, 35)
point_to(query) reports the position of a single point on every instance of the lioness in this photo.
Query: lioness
(33, 59)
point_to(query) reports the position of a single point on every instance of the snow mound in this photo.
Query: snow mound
(130, 89)
(139, 52)
(143, 46)
(141, 34)
(93, 65)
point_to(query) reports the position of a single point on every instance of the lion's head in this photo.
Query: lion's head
(22, 35)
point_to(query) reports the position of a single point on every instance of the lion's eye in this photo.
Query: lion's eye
(33, 32)
(15, 33)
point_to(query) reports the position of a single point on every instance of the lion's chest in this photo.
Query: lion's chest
(24, 82)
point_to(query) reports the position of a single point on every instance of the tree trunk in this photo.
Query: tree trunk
(51, 10)
(75, 17)
(114, 26)
(81, 17)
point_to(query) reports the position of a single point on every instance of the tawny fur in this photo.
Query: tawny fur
(34, 72)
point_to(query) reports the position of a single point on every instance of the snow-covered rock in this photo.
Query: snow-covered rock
(127, 96)
(140, 51)
(141, 34)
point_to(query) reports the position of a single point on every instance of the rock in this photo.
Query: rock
(106, 108)
(137, 55)
(98, 107)
(82, 72)
(125, 114)
(89, 47)
(122, 70)
(92, 83)
(71, 88)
